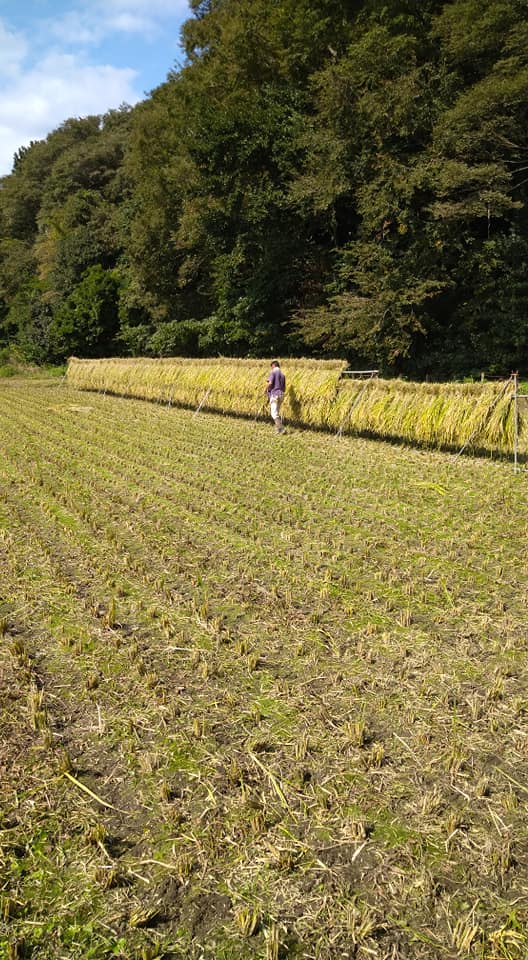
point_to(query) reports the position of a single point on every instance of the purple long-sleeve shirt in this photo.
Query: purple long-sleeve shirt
(276, 383)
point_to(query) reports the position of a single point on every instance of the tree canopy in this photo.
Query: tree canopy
(325, 177)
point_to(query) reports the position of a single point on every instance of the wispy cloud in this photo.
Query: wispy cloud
(61, 81)
(57, 87)
(76, 28)
(13, 50)
(90, 23)
(55, 68)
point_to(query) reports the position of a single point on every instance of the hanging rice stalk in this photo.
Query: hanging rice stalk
(436, 415)
(224, 385)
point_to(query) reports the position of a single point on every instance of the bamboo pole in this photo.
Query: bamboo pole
(515, 377)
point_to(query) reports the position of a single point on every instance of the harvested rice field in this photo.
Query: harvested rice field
(261, 696)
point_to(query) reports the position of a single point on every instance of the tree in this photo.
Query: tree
(425, 141)
(87, 323)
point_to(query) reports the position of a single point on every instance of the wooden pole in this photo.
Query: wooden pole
(202, 401)
(515, 377)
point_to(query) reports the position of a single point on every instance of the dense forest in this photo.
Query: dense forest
(321, 177)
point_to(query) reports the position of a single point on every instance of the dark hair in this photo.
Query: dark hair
(275, 363)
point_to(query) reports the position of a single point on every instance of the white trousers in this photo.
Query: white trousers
(275, 405)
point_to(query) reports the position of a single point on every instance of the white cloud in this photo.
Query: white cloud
(76, 28)
(13, 50)
(156, 8)
(48, 73)
(58, 87)
(92, 22)
(125, 21)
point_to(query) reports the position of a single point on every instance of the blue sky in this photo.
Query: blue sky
(72, 58)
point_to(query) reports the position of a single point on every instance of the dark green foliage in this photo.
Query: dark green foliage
(86, 323)
(60, 215)
(176, 339)
(348, 178)
(418, 137)
(28, 322)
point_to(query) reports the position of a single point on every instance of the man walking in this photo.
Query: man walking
(275, 387)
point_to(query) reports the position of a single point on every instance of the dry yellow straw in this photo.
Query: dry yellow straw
(436, 415)
(82, 786)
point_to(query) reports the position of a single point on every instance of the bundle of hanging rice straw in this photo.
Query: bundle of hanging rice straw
(436, 415)
(430, 414)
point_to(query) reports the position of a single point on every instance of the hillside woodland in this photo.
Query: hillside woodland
(319, 177)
